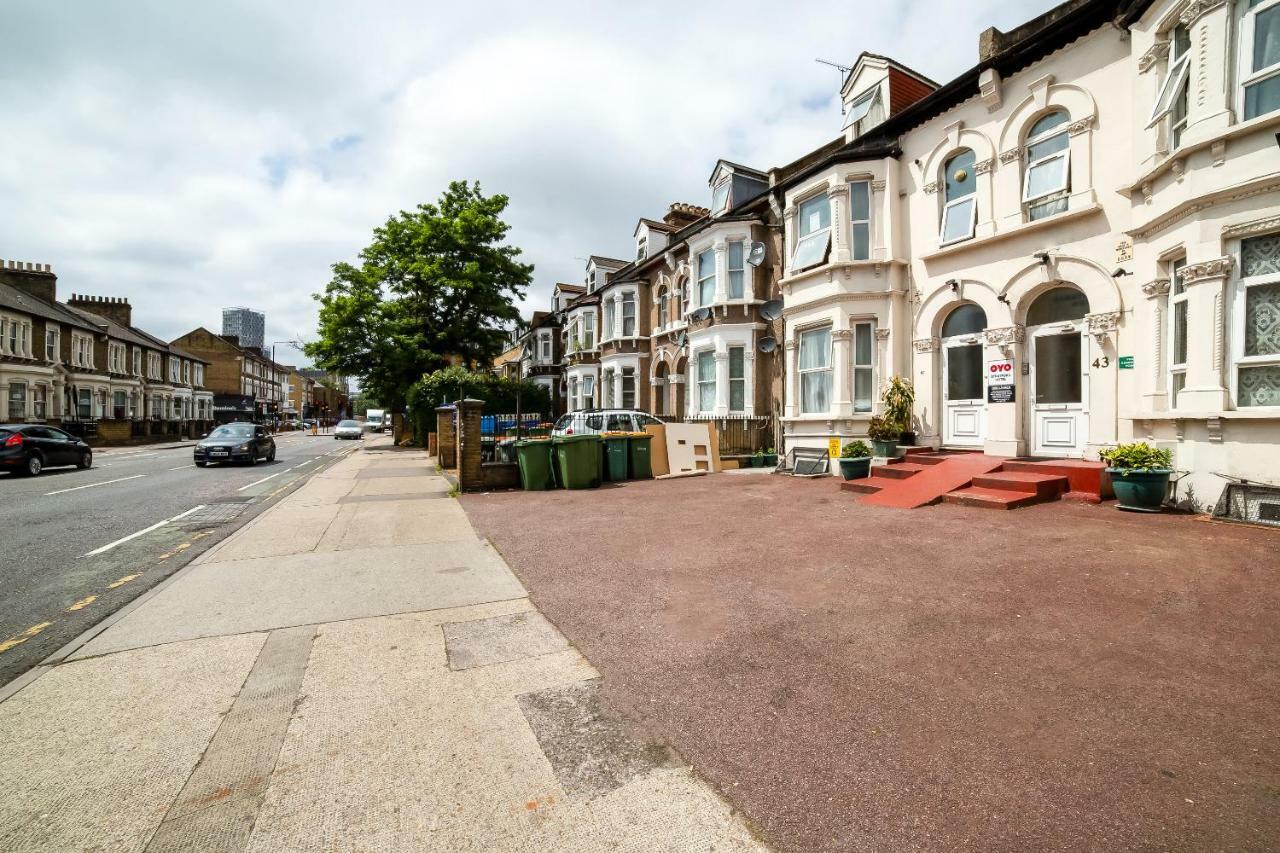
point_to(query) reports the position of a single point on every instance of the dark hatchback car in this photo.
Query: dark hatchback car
(30, 448)
(236, 442)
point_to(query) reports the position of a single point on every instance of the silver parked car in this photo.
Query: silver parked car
(595, 421)
(348, 429)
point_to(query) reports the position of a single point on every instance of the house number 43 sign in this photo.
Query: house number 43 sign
(1000, 381)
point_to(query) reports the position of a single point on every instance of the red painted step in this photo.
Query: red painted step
(898, 470)
(1088, 480)
(1044, 486)
(991, 498)
(862, 487)
(928, 486)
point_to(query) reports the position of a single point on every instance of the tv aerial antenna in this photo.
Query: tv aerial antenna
(843, 69)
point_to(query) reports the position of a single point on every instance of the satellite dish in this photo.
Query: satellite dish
(771, 310)
(768, 344)
(680, 338)
(701, 315)
(756, 256)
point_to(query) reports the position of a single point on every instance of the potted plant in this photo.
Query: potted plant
(770, 458)
(899, 398)
(855, 460)
(1139, 474)
(884, 434)
(757, 461)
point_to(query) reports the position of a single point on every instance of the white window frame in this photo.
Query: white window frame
(801, 371)
(860, 107)
(20, 414)
(1177, 369)
(705, 380)
(1064, 177)
(811, 246)
(52, 340)
(606, 388)
(1174, 80)
(664, 307)
(854, 223)
(1240, 300)
(629, 373)
(588, 391)
(588, 320)
(39, 401)
(856, 366)
(740, 271)
(738, 381)
(972, 200)
(642, 249)
(708, 278)
(630, 300)
(1249, 77)
(722, 205)
(545, 349)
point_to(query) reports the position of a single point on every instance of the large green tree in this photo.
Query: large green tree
(436, 284)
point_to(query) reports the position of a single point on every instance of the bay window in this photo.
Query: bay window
(1260, 57)
(707, 381)
(706, 277)
(589, 330)
(1258, 364)
(960, 202)
(628, 315)
(737, 379)
(815, 371)
(813, 233)
(1047, 181)
(84, 404)
(588, 392)
(609, 315)
(1177, 331)
(863, 368)
(736, 270)
(628, 387)
(860, 219)
(17, 401)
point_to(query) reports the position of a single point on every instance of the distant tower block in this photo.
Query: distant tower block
(246, 324)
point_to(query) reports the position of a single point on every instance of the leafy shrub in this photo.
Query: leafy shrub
(855, 450)
(883, 428)
(899, 399)
(1139, 456)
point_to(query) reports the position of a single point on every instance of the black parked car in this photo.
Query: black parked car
(236, 442)
(30, 448)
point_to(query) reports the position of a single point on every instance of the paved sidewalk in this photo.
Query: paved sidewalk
(354, 670)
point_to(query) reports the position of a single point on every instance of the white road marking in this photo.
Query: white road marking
(91, 485)
(142, 532)
(259, 482)
(181, 467)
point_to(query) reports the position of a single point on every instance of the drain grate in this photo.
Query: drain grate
(211, 515)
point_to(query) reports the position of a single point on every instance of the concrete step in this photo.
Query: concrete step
(991, 498)
(931, 458)
(1047, 486)
(898, 470)
(861, 487)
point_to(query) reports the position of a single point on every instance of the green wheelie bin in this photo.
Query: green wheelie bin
(534, 459)
(613, 450)
(577, 461)
(638, 447)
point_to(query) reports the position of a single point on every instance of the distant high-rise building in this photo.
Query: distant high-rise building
(246, 324)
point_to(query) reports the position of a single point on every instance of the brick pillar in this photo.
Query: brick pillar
(470, 476)
(447, 440)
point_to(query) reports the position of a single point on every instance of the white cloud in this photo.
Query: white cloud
(192, 156)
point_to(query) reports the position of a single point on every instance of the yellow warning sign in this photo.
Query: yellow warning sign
(833, 448)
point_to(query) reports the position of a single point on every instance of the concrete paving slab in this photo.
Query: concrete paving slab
(319, 491)
(371, 525)
(305, 524)
(446, 760)
(303, 589)
(92, 753)
(401, 486)
(480, 642)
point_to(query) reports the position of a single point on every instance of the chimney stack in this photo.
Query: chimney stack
(114, 308)
(35, 280)
(680, 214)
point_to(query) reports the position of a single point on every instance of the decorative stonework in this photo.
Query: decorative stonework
(1249, 229)
(882, 334)
(1078, 127)
(925, 344)
(1158, 52)
(838, 190)
(791, 346)
(984, 167)
(931, 187)
(877, 186)
(1179, 168)
(1219, 349)
(1216, 268)
(1219, 151)
(1005, 335)
(789, 212)
(1102, 323)
(1153, 289)
(1010, 156)
(842, 335)
(1196, 9)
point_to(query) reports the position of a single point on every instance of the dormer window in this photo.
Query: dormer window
(642, 248)
(720, 198)
(860, 109)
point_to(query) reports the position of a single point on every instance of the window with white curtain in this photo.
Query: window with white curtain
(609, 314)
(815, 371)
(588, 392)
(589, 330)
(664, 309)
(17, 401)
(707, 381)
(1177, 331)
(863, 367)
(1260, 57)
(960, 201)
(813, 232)
(628, 314)
(860, 219)
(628, 387)
(1047, 180)
(51, 345)
(736, 269)
(1258, 363)
(706, 277)
(737, 379)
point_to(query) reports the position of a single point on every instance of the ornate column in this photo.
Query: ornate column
(749, 381)
(721, 250)
(883, 368)
(928, 392)
(722, 382)
(788, 238)
(1155, 394)
(838, 197)
(1206, 284)
(842, 367)
(792, 386)
(880, 213)
(617, 387)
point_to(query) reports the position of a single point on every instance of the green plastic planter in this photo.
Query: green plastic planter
(1140, 490)
(855, 467)
(770, 460)
(885, 448)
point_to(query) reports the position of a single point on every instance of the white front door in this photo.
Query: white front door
(1058, 386)
(964, 407)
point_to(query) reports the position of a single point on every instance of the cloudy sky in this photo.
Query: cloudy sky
(193, 155)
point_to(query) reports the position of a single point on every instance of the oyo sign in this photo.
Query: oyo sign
(1000, 381)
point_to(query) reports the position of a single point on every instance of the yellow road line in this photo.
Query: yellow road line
(124, 580)
(82, 603)
(23, 637)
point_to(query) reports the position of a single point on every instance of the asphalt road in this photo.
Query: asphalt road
(75, 546)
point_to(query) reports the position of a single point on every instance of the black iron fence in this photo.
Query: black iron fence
(499, 432)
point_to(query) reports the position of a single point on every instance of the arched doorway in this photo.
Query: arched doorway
(1058, 366)
(964, 419)
(660, 389)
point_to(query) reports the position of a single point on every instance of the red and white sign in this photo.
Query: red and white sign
(1000, 372)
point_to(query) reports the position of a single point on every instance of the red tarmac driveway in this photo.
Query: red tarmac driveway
(1065, 676)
